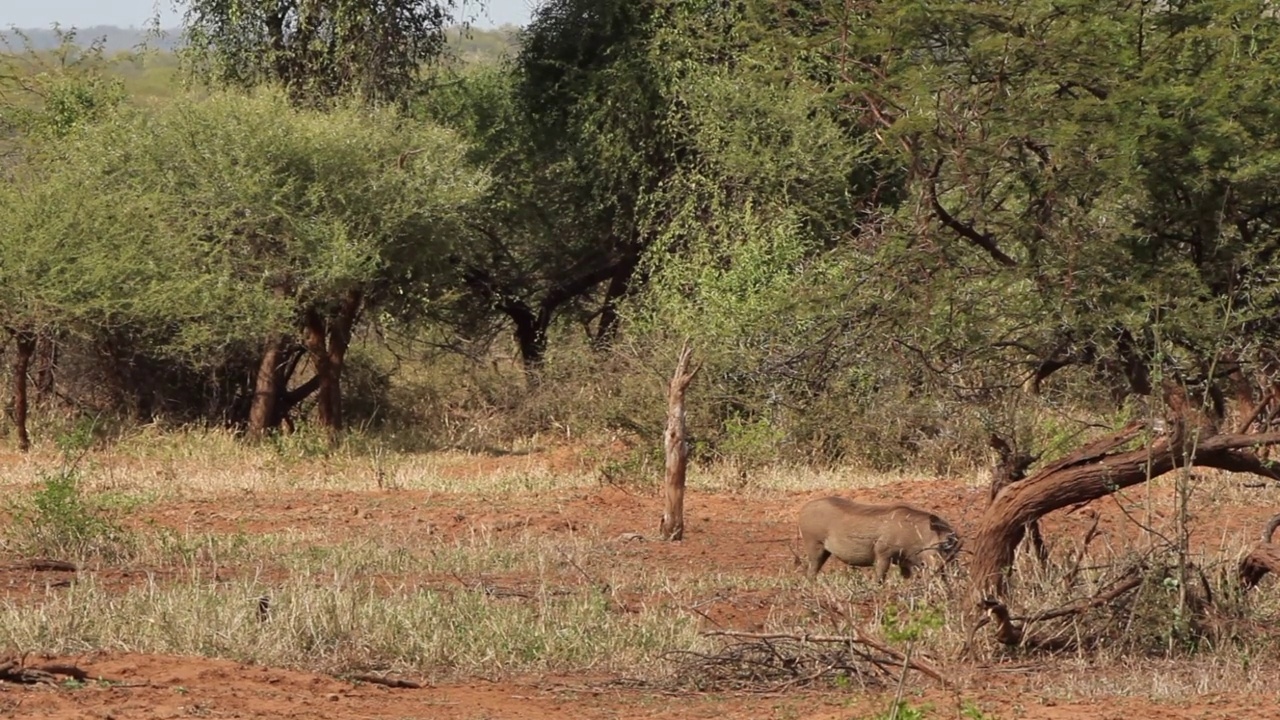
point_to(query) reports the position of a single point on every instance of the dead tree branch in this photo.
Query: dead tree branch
(1012, 633)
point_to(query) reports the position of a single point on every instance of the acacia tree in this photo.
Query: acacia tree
(283, 223)
(317, 49)
(43, 99)
(772, 191)
(73, 265)
(320, 51)
(574, 130)
(1092, 188)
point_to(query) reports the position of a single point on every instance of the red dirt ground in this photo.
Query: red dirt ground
(726, 532)
(144, 687)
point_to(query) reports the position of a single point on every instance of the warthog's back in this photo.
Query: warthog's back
(819, 517)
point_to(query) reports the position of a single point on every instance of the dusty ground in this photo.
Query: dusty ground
(147, 687)
(748, 534)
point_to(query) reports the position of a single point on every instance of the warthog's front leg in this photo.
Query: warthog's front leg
(883, 560)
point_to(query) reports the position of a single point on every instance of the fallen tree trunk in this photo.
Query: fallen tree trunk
(1096, 471)
(1012, 468)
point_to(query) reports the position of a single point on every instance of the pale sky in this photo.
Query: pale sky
(136, 13)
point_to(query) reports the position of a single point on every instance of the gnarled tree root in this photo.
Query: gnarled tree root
(1262, 559)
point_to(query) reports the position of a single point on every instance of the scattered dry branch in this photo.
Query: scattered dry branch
(790, 649)
(1074, 571)
(1011, 632)
(1127, 583)
(45, 565)
(1257, 412)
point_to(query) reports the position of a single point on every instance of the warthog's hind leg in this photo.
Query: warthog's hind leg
(817, 557)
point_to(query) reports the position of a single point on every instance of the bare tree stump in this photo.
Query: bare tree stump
(677, 448)
(1262, 559)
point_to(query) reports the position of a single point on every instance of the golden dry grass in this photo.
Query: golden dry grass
(489, 599)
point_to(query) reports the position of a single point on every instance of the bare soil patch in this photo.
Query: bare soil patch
(149, 687)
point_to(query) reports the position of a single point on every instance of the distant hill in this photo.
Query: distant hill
(474, 45)
(115, 39)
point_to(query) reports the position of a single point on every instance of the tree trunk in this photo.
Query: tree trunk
(531, 337)
(339, 340)
(677, 449)
(1093, 472)
(289, 399)
(315, 339)
(26, 342)
(619, 285)
(47, 360)
(327, 343)
(263, 413)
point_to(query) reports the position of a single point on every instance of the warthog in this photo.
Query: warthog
(865, 535)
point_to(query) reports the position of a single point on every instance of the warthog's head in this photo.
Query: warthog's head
(945, 546)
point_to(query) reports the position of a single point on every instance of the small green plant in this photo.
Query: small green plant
(903, 710)
(305, 443)
(57, 518)
(76, 441)
(907, 625)
(970, 710)
(635, 468)
(751, 442)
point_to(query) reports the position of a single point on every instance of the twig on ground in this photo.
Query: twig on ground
(386, 680)
(18, 672)
(46, 565)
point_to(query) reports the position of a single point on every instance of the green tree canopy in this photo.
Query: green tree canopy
(210, 225)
